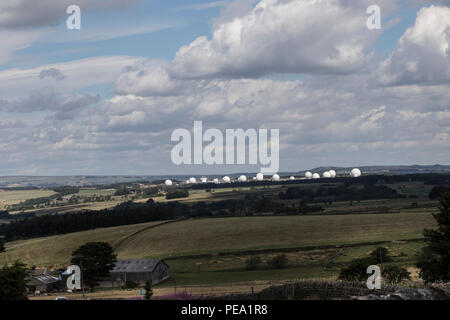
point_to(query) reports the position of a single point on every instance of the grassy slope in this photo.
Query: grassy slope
(224, 234)
(56, 250)
(231, 234)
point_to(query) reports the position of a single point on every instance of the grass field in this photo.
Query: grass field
(57, 250)
(249, 233)
(200, 236)
(8, 197)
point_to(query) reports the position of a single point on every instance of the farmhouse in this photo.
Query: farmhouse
(139, 271)
(43, 283)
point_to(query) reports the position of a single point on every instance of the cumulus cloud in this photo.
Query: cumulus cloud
(310, 36)
(422, 55)
(65, 106)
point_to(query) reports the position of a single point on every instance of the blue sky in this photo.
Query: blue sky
(86, 101)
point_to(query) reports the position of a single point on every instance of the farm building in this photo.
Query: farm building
(43, 283)
(139, 271)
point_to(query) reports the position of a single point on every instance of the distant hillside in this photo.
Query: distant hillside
(55, 181)
(437, 168)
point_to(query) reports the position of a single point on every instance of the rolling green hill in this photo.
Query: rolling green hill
(200, 236)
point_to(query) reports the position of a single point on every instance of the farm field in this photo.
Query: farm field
(211, 236)
(57, 250)
(8, 197)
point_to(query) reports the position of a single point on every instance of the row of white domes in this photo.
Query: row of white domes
(331, 174)
(260, 177)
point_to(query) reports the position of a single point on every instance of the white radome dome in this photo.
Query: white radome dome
(355, 173)
(316, 176)
(242, 179)
(275, 177)
(333, 173)
(308, 175)
(226, 179)
(259, 177)
(326, 174)
(192, 180)
(204, 179)
(168, 183)
(216, 180)
(292, 178)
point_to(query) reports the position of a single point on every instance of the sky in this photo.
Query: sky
(105, 99)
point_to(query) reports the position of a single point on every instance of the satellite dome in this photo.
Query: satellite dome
(308, 175)
(204, 179)
(275, 177)
(333, 173)
(168, 183)
(226, 179)
(355, 173)
(216, 180)
(259, 177)
(316, 176)
(192, 180)
(292, 178)
(242, 179)
(326, 174)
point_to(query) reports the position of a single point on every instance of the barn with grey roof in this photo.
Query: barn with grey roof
(139, 271)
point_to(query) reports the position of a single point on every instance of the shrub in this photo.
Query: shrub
(357, 270)
(176, 194)
(253, 263)
(380, 255)
(129, 284)
(395, 274)
(278, 262)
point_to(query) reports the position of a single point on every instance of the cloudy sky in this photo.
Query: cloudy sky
(105, 99)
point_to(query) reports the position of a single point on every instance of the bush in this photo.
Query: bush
(129, 284)
(253, 263)
(395, 274)
(2, 245)
(357, 270)
(278, 262)
(380, 255)
(176, 194)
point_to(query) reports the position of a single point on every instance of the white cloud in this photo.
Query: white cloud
(309, 36)
(422, 55)
(78, 74)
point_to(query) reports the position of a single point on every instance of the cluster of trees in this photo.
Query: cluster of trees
(434, 260)
(357, 269)
(66, 190)
(177, 194)
(123, 214)
(438, 192)
(340, 193)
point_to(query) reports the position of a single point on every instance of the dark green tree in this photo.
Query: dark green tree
(13, 284)
(148, 290)
(95, 259)
(380, 255)
(434, 261)
(2, 245)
